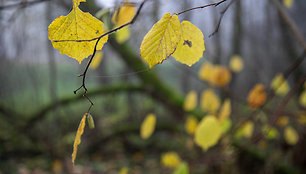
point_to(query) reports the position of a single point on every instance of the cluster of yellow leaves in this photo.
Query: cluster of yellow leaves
(236, 63)
(122, 15)
(148, 126)
(215, 75)
(171, 159)
(257, 96)
(77, 25)
(280, 85)
(168, 36)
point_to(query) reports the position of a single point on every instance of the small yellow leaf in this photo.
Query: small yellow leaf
(269, 132)
(257, 96)
(170, 159)
(148, 126)
(282, 121)
(291, 136)
(206, 71)
(124, 170)
(288, 3)
(77, 25)
(123, 35)
(90, 120)
(246, 130)
(208, 132)
(221, 76)
(191, 46)
(191, 125)
(236, 63)
(210, 102)
(225, 110)
(190, 101)
(161, 41)
(96, 60)
(182, 169)
(124, 14)
(302, 99)
(77, 139)
(280, 85)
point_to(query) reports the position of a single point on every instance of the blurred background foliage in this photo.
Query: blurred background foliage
(39, 113)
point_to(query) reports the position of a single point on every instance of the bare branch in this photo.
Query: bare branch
(21, 4)
(200, 7)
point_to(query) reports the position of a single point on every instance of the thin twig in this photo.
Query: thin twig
(21, 4)
(83, 75)
(204, 6)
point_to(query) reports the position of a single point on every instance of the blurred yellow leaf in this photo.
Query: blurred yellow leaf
(191, 101)
(210, 102)
(77, 25)
(170, 159)
(246, 130)
(302, 118)
(191, 46)
(124, 14)
(290, 135)
(302, 98)
(225, 110)
(77, 139)
(182, 169)
(208, 132)
(236, 63)
(288, 3)
(257, 96)
(96, 60)
(226, 125)
(161, 41)
(148, 126)
(270, 132)
(280, 85)
(123, 35)
(206, 71)
(191, 125)
(57, 167)
(124, 170)
(221, 76)
(282, 121)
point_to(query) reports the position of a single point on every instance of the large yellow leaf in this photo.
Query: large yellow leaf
(191, 101)
(210, 102)
(225, 110)
(170, 159)
(77, 139)
(191, 124)
(280, 85)
(77, 25)
(257, 96)
(236, 63)
(208, 132)
(291, 136)
(124, 14)
(191, 46)
(161, 41)
(148, 126)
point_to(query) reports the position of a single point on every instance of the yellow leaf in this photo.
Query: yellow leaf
(302, 118)
(291, 136)
(221, 76)
(148, 126)
(123, 35)
(190, 101)
(90, 120)
(236, 63)
(170, 159)
(208, 132)
(225, 110)
(182, 169)
(246, 130)
(288, 3)
(191, 46)
(282, 121)
(161, 41)
(257, 96)
(124, 14)
(124, 170)
(77, 25)
(77, 139)
(210, 102)
(280, 85)
(270, 132)
(226, 125)
(96, 60)
(191, 125)
(206, 71)
(302, 98)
